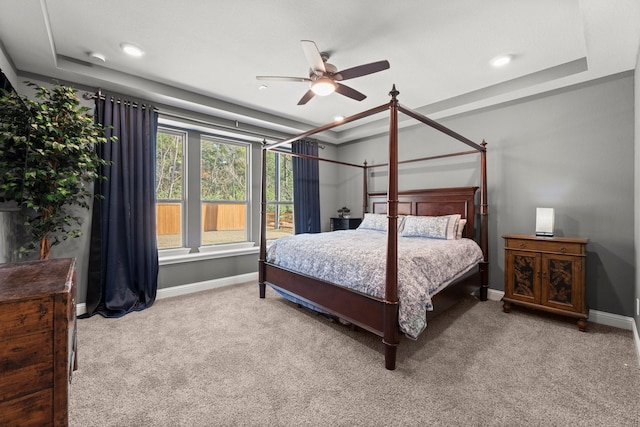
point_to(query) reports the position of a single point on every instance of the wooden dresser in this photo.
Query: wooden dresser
(37, 341)
(546, 273)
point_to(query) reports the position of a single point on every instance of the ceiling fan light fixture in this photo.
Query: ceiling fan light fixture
(324, 77)
(323, 86)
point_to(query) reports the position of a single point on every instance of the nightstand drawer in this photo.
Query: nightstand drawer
(560, 247)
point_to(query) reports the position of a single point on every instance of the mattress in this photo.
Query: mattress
(356, 259)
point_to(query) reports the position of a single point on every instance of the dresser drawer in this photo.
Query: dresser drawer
(559, 247)
(26, 364)
(25, 316)
(34, 410)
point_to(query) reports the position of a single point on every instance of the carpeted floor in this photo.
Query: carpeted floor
(225, 357)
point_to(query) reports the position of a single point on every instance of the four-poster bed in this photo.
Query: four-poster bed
(380, 313)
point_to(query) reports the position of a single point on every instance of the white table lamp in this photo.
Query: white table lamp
(544, 222)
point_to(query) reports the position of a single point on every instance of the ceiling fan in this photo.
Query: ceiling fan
(324, 77)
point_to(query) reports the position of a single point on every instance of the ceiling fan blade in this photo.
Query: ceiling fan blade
(349, 92)
(362, 70)
(283, 79)
(313, 56)
(307, 96)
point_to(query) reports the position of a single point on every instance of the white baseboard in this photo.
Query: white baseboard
(595, 316)
(636, 338)
(615, 320)
(494, 295)
(175, 291)
(190, 288)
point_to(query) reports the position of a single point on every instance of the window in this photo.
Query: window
(223, 191)
(170, 187)
(279, 195)
(203, 188)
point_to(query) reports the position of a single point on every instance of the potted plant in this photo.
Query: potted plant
(344, 212)
(47, 161)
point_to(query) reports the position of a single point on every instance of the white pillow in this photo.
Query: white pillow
(460, 229)
(379, 222)
(373, 221)
(433, 227)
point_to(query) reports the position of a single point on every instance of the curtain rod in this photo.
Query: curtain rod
(100, 95)
(231, 129)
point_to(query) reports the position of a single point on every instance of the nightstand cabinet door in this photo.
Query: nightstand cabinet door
(562, 282)
(546, 273)
(523, 279)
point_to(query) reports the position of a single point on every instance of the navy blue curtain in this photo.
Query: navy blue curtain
(123, 259)
(306, 188)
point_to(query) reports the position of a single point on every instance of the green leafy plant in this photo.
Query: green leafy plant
(48, 162)
(344, 212)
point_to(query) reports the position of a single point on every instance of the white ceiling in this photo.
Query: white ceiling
(205, 55)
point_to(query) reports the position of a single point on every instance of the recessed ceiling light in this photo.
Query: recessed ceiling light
(263, 87)
(338, 118)
(501, 60)
(132, 50)
(98, 56)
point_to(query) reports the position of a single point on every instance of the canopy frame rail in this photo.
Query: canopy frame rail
(328, 126)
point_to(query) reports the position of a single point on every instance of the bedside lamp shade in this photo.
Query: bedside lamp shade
(544, 222)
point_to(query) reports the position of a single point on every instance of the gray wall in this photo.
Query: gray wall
(186, 273)
(7, 68)
(572, 150)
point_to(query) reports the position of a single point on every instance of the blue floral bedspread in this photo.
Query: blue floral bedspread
(356, 259)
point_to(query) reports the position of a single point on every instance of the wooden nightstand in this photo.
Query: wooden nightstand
(345, 223)
(546, 273)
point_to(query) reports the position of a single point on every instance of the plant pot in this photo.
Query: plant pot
(9, 206)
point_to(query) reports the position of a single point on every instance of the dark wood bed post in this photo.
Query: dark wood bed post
(390, 333)
(263, 224)
(365, 191)
(484, 225)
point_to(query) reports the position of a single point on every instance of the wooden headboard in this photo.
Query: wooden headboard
(432, 202)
